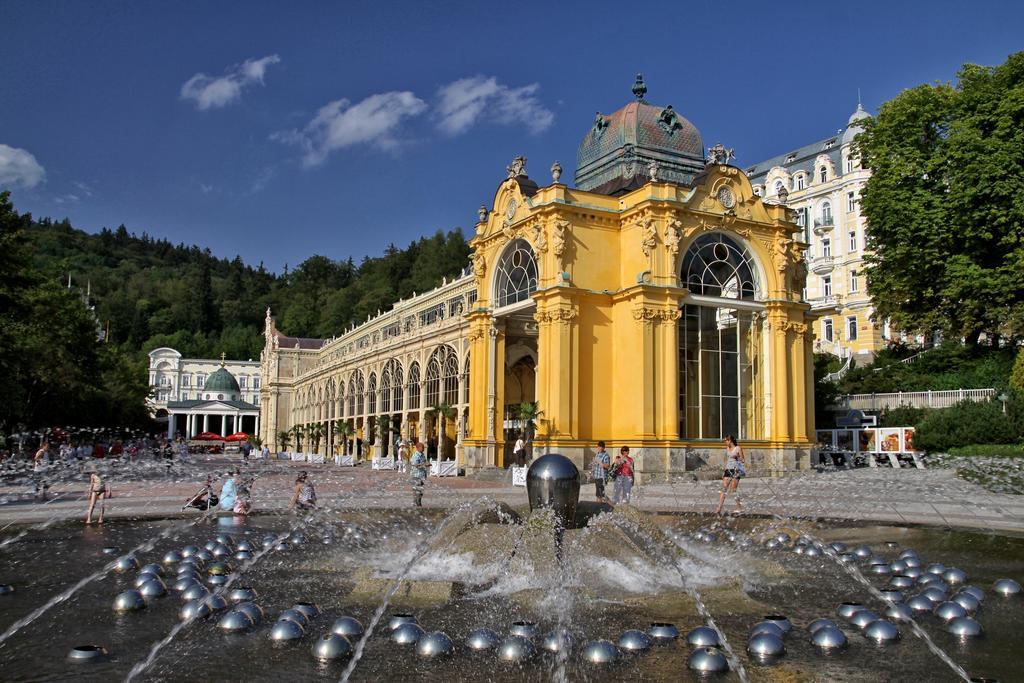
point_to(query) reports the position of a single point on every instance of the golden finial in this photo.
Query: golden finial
(222, 357)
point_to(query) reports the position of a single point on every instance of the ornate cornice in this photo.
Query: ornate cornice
(651, 316)
(562, 316)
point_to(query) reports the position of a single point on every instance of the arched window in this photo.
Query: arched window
(371, 394)
(360, 392)
(442, 376)
(720, 342)
(715, 265)
(450, 375)
(391, 387)
(826, 213)
(800, 181)
(823, 174)
(778, 186)
(516, 276)
(352, 393)
(465, 381)
(414, 386)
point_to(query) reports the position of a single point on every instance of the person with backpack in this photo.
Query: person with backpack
(623, 471)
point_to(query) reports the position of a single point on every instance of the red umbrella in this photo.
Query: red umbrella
(208, 436)
(238, 436)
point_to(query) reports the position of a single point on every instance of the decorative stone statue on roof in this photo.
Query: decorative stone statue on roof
(720, 154)
(556, 171)
(517, 167)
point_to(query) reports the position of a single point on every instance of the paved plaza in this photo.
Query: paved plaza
(932, 497)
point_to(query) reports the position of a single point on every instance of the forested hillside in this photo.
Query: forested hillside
(154, 293)
(149, 292)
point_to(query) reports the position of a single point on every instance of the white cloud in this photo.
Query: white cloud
(19, 167)
(67, 199)
(337, 125)
(84, 187)
(463, 103)
(262, 179)
(208, 92)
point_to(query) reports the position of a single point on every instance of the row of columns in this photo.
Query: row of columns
(196, 423)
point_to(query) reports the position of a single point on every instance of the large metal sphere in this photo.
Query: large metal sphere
(897, 567)
(783, 539)
(862, 552)
(899, 612)
(928, 579)
(967, 601)
(965, 627)
(189, 551)
(901, 582)
(766, 627)
(812, 551)
(126, 564)
(332, 646)
(634, 640)
(245, 546)
(847, 558)
(407, 634)
(254, 611)
(6, 589)
(893, 595)
(204, 555)
(235, 621)
(912, 562)
(974, 591)
(154, 588)
(296, 538)
(190, 565)
(949, 610)
(553, 481)
(879, 569)
(1006, 587)
(557, 641)
(224, 538)
(400, 618)
(848, 609)
(863, 618)
(877, 559)
(516, 649)
(707, 660)
(143, 578)
(779, 620)
(663, 631)
(195, 609)
(87, 653)
(210, 545)
(215, 601)
(301, 619)
(283, 547)
(435, 644)
(152, 568)
(526, 629)
(766, 645)
(703, 636)
(821, 623)
(285, 629)
(184, 583)
(217, 580)
(800, 548)
(920, 604)
(195, 592)
(220, 551)
(129, 601)
(242, 556)
(242, 594)
(935, 568)
(772, 544)
(954, 576)
(935, 594)
(483, 639)
(173, 557)
(219, 569)
(838, 546)
(908, 552)
(269, 541)
(350, 627)
(913, 572)
(828, 637)
(600, 652)
(308, 608)
(882, 631)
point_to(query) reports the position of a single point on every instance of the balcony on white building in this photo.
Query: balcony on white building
(826, 303)
(823, 225)
(822, 265)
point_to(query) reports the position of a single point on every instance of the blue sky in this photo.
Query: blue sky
(278, 130)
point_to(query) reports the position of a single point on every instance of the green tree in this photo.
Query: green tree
(283, 440)
(442, 412)
(943, 205)
(298, 431)
(528, 413)
(345, 429)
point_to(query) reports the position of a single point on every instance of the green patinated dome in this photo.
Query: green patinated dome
(617, 153)
(221, 381)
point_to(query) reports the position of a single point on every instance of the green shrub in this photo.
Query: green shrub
(1014, 450)
(964, 424)
(1017, 374)
(948, 366)
(904, 416)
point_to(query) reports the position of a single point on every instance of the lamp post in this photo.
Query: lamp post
(1003, 398)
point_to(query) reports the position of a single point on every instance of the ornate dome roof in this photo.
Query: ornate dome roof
(853, 126)
(617, 153)
(221, 381)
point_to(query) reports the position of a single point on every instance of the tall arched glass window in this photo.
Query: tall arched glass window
(414, 386)
(371, 394)
(391, 386)
(720, 342)
(826, 213)
(515, 278)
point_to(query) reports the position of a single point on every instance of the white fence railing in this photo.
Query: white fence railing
(914, 399)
